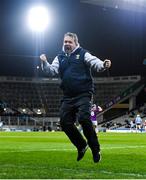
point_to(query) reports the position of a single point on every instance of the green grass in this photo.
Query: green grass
(48, 155)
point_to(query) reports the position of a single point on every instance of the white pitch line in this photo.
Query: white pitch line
(104, 172)
(81, 171)
(124, 174)
(110, 173)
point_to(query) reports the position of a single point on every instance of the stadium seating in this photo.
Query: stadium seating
(40, 97)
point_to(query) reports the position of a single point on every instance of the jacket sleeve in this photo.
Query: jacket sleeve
(51, 69)
(94, 62)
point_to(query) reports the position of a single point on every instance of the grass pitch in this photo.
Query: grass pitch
(50, 155)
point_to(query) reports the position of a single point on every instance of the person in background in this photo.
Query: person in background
(94, 111)
(74, 65)
(1, 125)
(145, 125)
(138, 122)
(132, 125)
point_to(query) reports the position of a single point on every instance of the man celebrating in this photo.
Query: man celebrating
(74, 64)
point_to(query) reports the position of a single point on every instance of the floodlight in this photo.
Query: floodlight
(38, 18)
(24, 110)
(39, 111)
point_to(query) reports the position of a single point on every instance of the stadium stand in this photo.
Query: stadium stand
(35, 102)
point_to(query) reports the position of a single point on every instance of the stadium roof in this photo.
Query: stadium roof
(130, 5)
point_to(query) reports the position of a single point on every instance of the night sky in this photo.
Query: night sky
(119, 35)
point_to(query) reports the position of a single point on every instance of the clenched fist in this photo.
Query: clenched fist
(107, 63)
(43, 57)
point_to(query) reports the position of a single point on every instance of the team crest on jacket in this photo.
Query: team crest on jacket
(77, 56)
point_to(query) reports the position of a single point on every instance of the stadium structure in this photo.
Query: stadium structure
(32, 104)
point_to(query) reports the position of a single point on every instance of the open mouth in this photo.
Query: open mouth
(67, 48)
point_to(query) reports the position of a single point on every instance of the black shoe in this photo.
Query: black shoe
(96, 157)
(82, 153)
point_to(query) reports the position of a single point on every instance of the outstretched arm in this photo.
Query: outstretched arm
(52, 69)
(96, 63)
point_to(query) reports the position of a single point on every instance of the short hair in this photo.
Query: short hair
(93, 105)
(73, 36)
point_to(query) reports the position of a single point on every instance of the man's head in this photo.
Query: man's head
(70, 42)
(94, 107)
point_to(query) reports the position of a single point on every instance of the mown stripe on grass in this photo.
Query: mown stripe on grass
(65, 149)
(123, 147)
(76, 171)
(29, 137)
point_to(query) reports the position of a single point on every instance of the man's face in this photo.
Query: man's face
(94, 107)
(69, 44)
